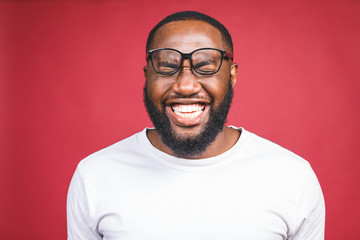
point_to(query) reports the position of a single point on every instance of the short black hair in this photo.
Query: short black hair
(192, 15)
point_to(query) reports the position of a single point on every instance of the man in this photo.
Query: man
(191, 177)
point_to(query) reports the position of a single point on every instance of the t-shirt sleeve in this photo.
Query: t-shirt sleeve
(78, 216)
(311, 211)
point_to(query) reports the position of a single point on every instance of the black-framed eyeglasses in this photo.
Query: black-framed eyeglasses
(205, 61)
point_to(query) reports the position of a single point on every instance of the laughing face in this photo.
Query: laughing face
(187, 109)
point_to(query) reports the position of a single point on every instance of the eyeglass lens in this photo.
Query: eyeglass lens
(205, 61)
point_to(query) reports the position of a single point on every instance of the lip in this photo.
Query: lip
(186, 101)
(188, 119)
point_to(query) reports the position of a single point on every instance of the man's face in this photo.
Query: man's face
(188, 108)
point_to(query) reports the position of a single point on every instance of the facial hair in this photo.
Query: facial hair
(186, 147)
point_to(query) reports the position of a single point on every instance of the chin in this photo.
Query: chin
(182, 133)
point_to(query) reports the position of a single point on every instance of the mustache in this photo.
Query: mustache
(192, 96)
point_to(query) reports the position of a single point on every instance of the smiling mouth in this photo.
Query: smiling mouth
(188, 111)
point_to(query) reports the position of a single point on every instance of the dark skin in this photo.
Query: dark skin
(187, 87)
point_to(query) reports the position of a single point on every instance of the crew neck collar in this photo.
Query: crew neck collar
(190, 164)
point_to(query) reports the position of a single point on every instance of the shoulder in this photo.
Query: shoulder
(266, 154)
(279, 169)
(120, 153)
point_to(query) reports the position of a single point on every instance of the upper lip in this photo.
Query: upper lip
(186, 101)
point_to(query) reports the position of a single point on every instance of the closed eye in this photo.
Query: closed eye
(206, 65)
(168, 65)
(201, 64)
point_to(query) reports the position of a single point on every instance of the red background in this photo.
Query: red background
(71, 83)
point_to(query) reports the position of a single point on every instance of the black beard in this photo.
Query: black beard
(189, 147)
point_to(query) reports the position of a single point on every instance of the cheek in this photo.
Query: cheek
(157, 90)
(222, 84)
(217, 88)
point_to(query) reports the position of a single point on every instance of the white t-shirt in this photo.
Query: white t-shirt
(257, 190)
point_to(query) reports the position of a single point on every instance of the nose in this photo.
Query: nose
(186, 82)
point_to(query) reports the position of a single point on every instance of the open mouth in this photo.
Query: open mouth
(187, 114)
(188, 111)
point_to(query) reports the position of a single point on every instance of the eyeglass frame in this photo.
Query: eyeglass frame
(188, 56)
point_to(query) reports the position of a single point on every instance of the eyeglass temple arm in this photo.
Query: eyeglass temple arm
(229, 55)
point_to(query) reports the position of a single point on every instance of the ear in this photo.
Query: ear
(145, 70)
(233, 73)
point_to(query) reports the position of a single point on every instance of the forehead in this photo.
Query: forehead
(187, 35)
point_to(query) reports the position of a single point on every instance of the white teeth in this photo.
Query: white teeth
(188, 111)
